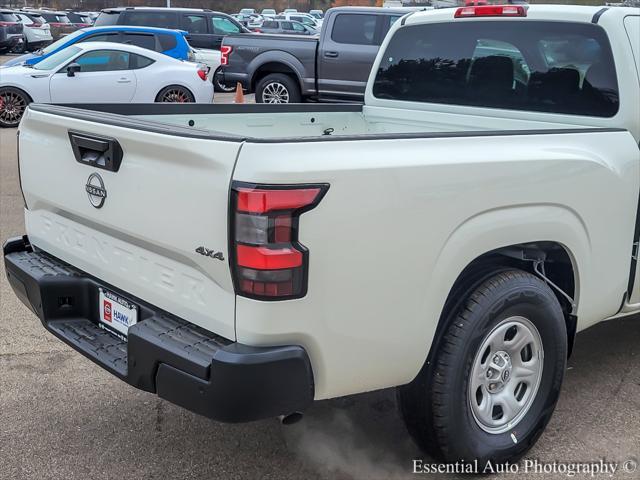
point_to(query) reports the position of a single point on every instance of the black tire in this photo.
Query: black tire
(278, 88)
(218, 85)
(13, 103)
(21, 47)
(437, 405)
(175, 94)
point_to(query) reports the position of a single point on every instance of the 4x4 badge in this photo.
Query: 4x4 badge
(95, 190)
(210, 253)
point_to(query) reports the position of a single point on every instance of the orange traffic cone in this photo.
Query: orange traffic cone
(239, 94)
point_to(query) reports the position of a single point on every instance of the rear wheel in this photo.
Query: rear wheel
(13, 103)
(21, 47)
(495, 377)
(175, 94)
(219, 85)
(278, 88)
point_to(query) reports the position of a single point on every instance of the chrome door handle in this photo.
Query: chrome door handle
(124, 80)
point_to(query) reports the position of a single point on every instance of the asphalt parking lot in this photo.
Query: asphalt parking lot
(63, 417)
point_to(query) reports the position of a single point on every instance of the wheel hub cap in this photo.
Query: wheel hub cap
(506, 374)
(499, 372)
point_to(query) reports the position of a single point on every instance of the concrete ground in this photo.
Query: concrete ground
(62, 417)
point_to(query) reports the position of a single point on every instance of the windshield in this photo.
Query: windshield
(57, 59)
(66, 40)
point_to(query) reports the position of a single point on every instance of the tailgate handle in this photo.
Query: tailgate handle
(96, 151)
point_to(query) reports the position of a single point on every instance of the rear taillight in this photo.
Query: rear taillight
(202, 74)
(491, 11)
(225, 53)
(268, 262)
(7, 24)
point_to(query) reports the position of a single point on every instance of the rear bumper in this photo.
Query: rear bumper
(232, 78)
(163, 354)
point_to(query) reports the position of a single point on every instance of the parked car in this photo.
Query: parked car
(268, 12)
(163, 40)
(211, 58)
(101, 72)
(303, 18)
(80, 19)
(205, 28)
(334, 67)
(59, 23)
(319, 14)
(37, 32)
(448, 238)
(247, 11)
(248, 19)
(289, 10)
(285, 27)
(11, 31)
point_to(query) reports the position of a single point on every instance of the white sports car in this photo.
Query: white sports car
(101, 72)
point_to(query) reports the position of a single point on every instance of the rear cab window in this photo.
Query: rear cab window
(554, 67)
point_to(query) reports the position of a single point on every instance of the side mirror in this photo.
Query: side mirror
(72, 69)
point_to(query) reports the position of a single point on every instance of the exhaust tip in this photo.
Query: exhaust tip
(291, 418)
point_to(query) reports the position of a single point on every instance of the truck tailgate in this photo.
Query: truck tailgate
(168, 198)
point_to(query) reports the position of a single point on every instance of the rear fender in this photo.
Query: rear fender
(277, 56)
(494, 229)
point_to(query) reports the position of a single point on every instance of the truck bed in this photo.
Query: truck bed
(301, 122)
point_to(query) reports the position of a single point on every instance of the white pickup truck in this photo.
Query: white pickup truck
(448, 237)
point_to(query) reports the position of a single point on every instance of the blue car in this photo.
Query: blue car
(169, 42)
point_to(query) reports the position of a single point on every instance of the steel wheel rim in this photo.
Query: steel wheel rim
(275, 92)
(12, 107)
(176, 95)
(506, 374)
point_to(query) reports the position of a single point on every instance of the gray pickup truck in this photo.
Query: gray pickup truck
(292, 69)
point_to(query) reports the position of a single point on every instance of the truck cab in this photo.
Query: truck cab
(333, 67)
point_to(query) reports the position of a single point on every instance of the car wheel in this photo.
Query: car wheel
(218, 84)
(175, 94)
(20, 48)
(13, 103)
(277, 88)
(495, 376)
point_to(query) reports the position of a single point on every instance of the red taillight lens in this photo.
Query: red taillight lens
(202, 74)
(225, 53)
(492, 11)
(268, 261)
